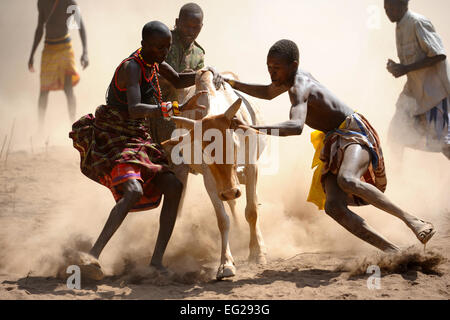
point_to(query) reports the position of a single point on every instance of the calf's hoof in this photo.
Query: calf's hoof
(257, 258)
(226, 271)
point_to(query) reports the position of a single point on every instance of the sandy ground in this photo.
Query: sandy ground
(49, 210)
(48, 207)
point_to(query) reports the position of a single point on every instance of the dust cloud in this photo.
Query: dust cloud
(344, 44)
(411, 259)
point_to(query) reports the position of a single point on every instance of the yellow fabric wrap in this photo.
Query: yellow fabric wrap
(57, 64)
(316, 193)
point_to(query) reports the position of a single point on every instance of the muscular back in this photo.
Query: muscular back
(325, 111)
(56, 23)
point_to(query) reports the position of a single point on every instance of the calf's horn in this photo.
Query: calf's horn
(229, 114)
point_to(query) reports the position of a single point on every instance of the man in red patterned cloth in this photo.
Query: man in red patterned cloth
(116, 148)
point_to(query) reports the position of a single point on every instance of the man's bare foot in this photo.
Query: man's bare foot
(90, 267)
(424, 231)
(161, 270)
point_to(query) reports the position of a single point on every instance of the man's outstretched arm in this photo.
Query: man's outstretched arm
(267, 92)
(292, 127)
(185, 79)
(178, 80)
(297, 117)
(37, 35)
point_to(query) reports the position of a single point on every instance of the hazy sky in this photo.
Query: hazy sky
(344, 43)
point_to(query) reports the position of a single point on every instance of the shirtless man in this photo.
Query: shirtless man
(58, 71)
(348, 145)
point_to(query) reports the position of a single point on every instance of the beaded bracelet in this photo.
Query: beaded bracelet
(176, 108)
(170, 109)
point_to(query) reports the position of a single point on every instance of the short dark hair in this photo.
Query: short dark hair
(406, 2)
(154, 27)
(287, 49)
(190, 8)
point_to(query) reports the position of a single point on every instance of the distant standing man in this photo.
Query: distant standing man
(58, 71)
(421, 120)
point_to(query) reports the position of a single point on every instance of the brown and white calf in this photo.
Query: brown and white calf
(222, 177)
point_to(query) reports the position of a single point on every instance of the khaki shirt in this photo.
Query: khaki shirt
(181, 59)
(417, 39)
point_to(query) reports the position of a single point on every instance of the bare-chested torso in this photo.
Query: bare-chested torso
(56, 22)
(325, 111)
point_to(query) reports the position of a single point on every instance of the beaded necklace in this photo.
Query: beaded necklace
(155, 69)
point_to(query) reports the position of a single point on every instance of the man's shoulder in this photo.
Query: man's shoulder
(300, 83)
(303, 77)
(417, 18)
(131, 66)
(304, 82)
(198, 48)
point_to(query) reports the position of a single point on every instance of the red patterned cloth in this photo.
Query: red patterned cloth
(124, 172)
(114, 148)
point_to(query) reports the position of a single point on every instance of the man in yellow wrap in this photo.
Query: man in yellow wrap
(350, 166)
(58, 71)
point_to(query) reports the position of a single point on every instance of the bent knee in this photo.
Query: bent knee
(251, 214)
(348, 183)
(133, 190)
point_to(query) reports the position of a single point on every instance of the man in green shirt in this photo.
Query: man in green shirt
(185, 55)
